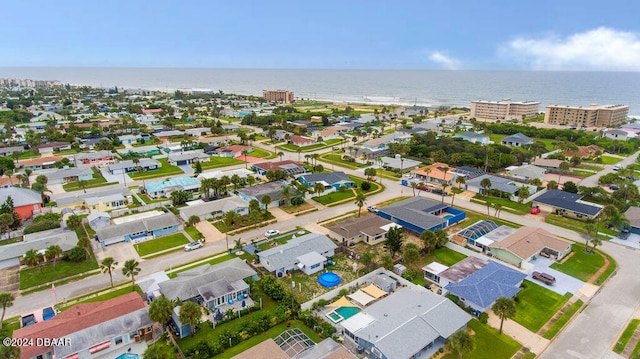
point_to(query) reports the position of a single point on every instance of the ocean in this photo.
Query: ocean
(403, 87)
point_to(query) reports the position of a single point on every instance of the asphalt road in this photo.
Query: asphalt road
(592, 181)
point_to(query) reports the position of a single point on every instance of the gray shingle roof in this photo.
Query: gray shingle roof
(285, 254)
(222, 205)
(499, 183)
(188, 155)
(568, 201)
(144, 162)
(328, 177)
(147, 224)
(416, 211)
(68, 172)
(66, 239)
(270, 188)
(185, 285)
(20, 196)
(518, 138)
(63, 201)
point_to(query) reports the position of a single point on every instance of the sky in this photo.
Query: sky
(334, 34)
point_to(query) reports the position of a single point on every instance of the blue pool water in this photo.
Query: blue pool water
(329, 279)
(448, 216)
(347, 312)
(128, 356)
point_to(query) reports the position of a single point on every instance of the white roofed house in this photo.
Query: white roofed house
(66, 175)
(307, 253)
(213, 209)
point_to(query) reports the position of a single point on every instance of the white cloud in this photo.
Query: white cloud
(598, 49)
(447, 62)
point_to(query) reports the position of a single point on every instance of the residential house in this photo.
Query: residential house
(617, 135)
(379, 143)
(291, 168)
(187, 158)
(398, 163)
(526, 172)
(633, 216)
(41, 163)
(93, 158)
(99, 201)
(232, 151)
(507, 186)
(301, 141)
(241, 172)
(329, 133)
(213, 209)
(90, 330)
(99, 220)
(566, 204)
(292, 338)
(11, 254)
(585, 152)
(159, 189)
(198, 131)
(280, 135)
(307, 253)
(66, 175)
(8, 151)
(468, 172)
(330, 180)
(144, 164)
(9, 181)
(473, 137)
(419, 214)
(368, 229)
(129, 139)
(546, 163)
(482, 234)
(527, 243)
(409, 323)
(479, 282)
(438, 172)
(517, 140)
(139, 230)
(272, 189)
(51, 147)
(165, 135)
(140, 151)
(148, 111)
(26, 202)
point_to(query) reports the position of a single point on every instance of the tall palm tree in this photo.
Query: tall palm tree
(245, 153)
(460, 181)
(414, 185)
(444, 188)
(498, 208)
(108, 265)
(6, 301)
(160, 310)
(428, 239)
(486, 186)
(84, 242)
(52, 253)
(266, 200)
(460, 342)
(33, 258)
(190, 313)
(318, 188)
(360, 201)
(504, 308)
(131, 269)
(286, 193)
(280, 154)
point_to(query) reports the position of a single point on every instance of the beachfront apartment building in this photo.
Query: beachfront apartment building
(278, 96)
(592, 116)
(504, 109)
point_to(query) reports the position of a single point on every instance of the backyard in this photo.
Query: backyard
(217, 162)
(32, 277)
(307, 286)
(535, 305)
(160, 244)
(581, 264)
(293, 148)
(96, 181)
(507, 204)
(442, 255)
(165, 170)
(489, 343)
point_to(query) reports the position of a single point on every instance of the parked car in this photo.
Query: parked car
(617, 167)
(373, 209)
(614, 187)
(27, 320)
(48, 313)
(544, 278)
(193, 245)
(271, 233)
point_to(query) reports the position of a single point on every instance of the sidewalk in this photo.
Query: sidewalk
(522, 335)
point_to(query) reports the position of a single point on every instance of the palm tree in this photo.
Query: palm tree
(131, 269)
(360, 201)
(190, 313)
(498, 208)
(590, 227)
(245, 153)
(84, 242)
(504, 308)
(160, 310)
(33, 258)
(6, 301)
(442, 237)
(52, 253)
(280, 154)
(523, 193)
(318, 188)
(108, 265)
(299, 150)
(74, 222)
(266, 200)
(286, 193)
(486, 186)
(460, 342)
(444, 187)
(460, 181)
(414, 185)
(428, 239)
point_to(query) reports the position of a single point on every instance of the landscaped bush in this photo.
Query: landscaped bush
(202, 350)
(483, 317)
(296, 201)
(365, 186)
(48, 217)
(410, 275)
(76, 255)
(40, 226)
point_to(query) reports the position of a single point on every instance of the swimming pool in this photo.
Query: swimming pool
(329, 279)
(447, 216)
(342, 313)
(128, 356)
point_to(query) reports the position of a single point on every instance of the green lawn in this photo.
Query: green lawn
(496, 138)
(165, 170)
(564, 318)
(97, 181)
(515, 207)
(259, 152)
(28, 154)
(293, 148)
(214, 260)
(32, 277)
(193, 232)
(338, 161)
(106, 296)
(284, 238)
(148, 199)
(333, 141)
(160, 244)
(626, 335)
(574, 224)
(217, 162)
(489, 343)
(581, 265)
(333, 197)
(441, 255)
(608, 160)
(536, 305)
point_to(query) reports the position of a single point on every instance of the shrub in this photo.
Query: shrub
(40, 226)
(76, 255)
(48, 217)
(296, 201)
(365, 186)
(410, 275)
(483, 317)
(201, 350)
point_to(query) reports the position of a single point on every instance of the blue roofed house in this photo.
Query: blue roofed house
(410, 323)
(419, 214)
(517, 140)
(307, 253)
(479, 282)
(330, 180)
(566, 204)
(473, 137)
(164, 188)
(139, 230)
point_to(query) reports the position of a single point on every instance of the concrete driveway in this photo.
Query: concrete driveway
(564, 283)
(632, 242)
(209, 232)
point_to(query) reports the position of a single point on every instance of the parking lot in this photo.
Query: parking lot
(564, 283)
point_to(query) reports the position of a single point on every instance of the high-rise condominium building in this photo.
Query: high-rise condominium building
(278, 96)
(592, 116)
(505, 109)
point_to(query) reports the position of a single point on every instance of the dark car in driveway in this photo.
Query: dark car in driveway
(545, 278)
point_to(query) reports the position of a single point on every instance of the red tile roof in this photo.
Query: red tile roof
(152, 110)
(39, 161)
(76, 318)
(234, 148)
